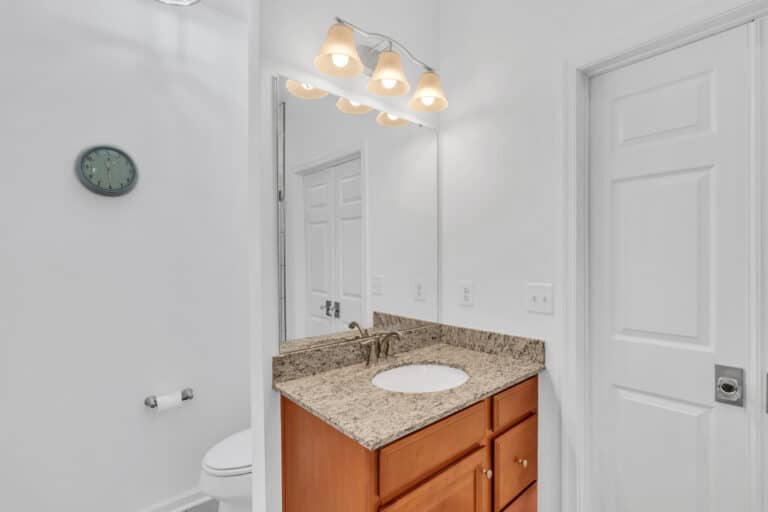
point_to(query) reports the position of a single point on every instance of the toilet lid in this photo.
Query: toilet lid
(230, 457)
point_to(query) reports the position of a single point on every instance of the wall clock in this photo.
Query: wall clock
(107, 170)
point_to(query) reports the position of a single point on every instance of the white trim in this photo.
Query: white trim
(330, 159)
(179, 503)
(755, 404)
(687, 35)
(578, 479)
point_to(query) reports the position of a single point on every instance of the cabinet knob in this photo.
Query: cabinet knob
(488, 473)
(522, 462)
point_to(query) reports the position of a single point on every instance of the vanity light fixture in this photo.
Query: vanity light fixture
(388, 78)
(390, 120)
(304, 90)
(338, 55)
(352, 107)
(429, 95)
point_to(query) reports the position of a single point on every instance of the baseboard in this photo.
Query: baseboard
(180, 503)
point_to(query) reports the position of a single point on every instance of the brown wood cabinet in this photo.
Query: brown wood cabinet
(462, 487)
(514, 461)
(481, 459)
(527, 502)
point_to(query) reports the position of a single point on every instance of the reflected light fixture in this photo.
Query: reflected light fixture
(338, 55)
(429, 95)
(390, 120)
(352, 107)
(304, 90)
(388, 78)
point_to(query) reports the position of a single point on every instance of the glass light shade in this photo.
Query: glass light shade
(350, 107)
(304, 91)
(338, 56)
(390, 120)
(429, 95)
(388, 78)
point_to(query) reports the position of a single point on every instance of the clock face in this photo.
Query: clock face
(107, 171)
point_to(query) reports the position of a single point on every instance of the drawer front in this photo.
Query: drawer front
(515, 403)
(461, 487)
(515, 464)
(527, 502)
(414, 458)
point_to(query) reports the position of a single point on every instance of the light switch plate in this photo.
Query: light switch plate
(539, 298)
(466, 293)
(419, 294)
(377, 285)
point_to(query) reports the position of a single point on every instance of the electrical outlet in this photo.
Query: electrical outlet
(377, 285)
(539, 298)
(466, 293)
(419, 293)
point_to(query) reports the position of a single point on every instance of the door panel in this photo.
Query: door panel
(460, 488)
(669, 285)
(319, 236)
(350, 243)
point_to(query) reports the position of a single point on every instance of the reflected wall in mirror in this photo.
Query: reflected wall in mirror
(357, 215)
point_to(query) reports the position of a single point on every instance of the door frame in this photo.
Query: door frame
(577, 434)
(333, 159)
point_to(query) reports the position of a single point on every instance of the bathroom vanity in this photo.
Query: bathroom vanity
(480, 459)
(349, 445)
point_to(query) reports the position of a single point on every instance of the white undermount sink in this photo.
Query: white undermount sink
(420, 378)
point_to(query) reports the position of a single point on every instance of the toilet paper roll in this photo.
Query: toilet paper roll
(169, 401)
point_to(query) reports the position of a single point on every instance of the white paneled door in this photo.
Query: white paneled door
(670, 277)
(334, 227)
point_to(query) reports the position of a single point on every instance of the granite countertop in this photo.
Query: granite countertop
(346, 398)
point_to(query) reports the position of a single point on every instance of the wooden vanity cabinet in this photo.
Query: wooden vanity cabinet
(514, 462)
(480, 459)
(462, 487)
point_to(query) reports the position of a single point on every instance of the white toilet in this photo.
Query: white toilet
(226, 473)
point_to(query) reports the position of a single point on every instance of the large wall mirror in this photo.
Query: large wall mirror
(357, 215)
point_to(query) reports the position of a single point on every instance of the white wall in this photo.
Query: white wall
(400, 165)
(501, 159)
(107, 300)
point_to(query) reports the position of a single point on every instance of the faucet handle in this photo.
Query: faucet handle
(370, 351)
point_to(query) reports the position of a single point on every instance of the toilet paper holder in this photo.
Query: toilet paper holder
(186, 394)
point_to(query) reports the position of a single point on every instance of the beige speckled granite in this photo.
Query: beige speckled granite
(493, 342)
(346, 398)
(396, 322)
(321, 358)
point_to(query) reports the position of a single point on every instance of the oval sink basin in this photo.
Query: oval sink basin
(420, 378)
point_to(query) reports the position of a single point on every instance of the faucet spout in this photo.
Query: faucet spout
(385, 343)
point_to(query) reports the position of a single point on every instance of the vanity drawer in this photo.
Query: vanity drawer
(527, 502)
(515, 464)
(416, 457)
(515, 403)
(461, 487)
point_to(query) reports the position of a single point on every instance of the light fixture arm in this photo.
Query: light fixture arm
(391, 42)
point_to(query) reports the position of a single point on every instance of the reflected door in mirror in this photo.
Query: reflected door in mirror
(334, 247)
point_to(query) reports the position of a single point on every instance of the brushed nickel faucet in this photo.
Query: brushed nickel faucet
(354, 325)
(379, 347)
(385, 345)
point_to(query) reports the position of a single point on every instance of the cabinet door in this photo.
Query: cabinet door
(514, 462)
(462, 487)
